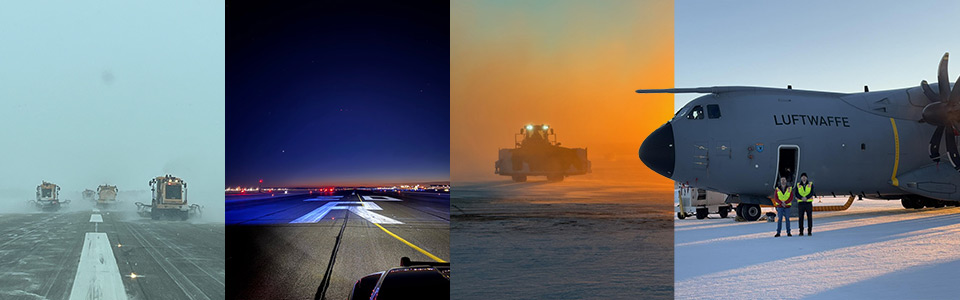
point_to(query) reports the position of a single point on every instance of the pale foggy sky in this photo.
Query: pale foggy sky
(117, 92)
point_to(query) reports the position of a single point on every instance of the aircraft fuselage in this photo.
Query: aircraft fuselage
(737, 140)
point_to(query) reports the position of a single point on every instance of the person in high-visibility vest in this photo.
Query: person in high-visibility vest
(805, 202)
(783, 201)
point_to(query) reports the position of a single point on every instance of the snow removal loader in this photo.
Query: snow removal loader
(536, 152)
(169, 195)
(48, 197)
(89, 195)
(106, 196)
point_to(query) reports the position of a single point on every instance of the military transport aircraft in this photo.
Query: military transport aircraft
(878, 145)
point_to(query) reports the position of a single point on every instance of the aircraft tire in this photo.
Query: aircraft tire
(724, 211)
(701, 213)
(555, 178)
(911, 203)
(681, 215)
(750, 212)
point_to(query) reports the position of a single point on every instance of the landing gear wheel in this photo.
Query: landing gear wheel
(701, 213)
(917, 203)
(750, 212)
(520, 178)
(737, 210)
(724, 211)
(555, 178)
(911, 202)
(681, 215)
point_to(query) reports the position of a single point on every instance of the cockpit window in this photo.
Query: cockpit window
(696, 113)
(713, 111)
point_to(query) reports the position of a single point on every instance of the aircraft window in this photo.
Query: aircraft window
(713, 111)
(696, 113)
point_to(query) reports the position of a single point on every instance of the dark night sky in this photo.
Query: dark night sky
(337, 92)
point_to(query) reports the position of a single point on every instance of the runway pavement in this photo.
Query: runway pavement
(70, 255)
(282, 247)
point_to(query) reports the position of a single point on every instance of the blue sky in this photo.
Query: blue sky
(338, 93)
(819, 45)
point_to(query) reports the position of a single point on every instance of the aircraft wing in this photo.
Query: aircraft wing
(725, 89)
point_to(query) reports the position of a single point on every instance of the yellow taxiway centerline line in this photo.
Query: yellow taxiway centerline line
(434, 257)
(428, 254)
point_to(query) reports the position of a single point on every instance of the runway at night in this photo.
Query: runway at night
(281, 246)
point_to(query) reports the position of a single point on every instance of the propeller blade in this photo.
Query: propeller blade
(935, 144)
(943, 79)
(929, 92)
(952, 149)
(955, 95)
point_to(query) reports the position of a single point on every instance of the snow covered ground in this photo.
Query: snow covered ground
(874, 250)
(600, 236)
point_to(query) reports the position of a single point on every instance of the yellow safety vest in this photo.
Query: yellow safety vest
(784, 196)
(805, 191)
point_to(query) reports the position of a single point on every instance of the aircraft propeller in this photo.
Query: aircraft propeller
(944, 113)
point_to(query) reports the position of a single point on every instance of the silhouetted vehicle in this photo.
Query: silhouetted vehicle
(537, 155)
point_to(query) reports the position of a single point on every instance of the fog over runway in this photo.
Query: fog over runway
(280, 246)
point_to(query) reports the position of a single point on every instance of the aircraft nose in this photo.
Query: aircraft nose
(657, 151)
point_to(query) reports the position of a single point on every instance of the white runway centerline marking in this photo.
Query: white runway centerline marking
(363, 210)
(324, 198)
(380, 198)
(98, 276)
(96, 218)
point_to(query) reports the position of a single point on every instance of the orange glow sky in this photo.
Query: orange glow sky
(573, 65)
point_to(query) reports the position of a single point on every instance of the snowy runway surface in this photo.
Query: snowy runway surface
(582, 238)
(79, 255)
(874, 250)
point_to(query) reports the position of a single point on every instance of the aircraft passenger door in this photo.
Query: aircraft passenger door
(788, 160)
